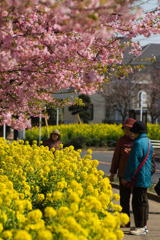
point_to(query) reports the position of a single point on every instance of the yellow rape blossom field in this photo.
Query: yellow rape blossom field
(94, 134)
(99, 135)
(48, 195)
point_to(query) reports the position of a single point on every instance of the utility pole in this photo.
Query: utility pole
(57, 120)
(40, 125)
(141, 106)
(4, 131)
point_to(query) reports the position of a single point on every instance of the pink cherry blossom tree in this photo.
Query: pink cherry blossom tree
(47, 45)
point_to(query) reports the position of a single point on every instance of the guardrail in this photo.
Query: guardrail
(155, 143)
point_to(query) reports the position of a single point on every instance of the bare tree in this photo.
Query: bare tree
(153, 92)
(118, 94)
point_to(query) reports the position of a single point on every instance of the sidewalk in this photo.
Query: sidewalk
(153, 222)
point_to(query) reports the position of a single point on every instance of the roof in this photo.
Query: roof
(148, 51)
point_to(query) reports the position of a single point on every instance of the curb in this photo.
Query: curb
(151, 196)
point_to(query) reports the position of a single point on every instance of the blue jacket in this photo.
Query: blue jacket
(138, 153)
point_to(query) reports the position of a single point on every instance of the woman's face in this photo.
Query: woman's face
(136, 135)
(54, 137)
(127, 131)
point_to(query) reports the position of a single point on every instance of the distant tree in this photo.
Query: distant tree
(119, 94)
(153, 93)
(84, 111)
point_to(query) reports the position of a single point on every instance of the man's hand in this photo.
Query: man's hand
(127, 150)
(124, 182)
(111, 177)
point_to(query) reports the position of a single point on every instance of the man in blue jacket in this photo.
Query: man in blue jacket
(138, 153)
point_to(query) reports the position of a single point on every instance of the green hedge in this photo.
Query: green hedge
(81, 135)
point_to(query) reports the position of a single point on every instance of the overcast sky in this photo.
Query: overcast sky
(148, 6)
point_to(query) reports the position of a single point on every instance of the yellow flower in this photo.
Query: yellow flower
(34, 216)
(89, 151)
(61, 185)
(104, 199)
(21, 196)
(83, 175)
(71, 148)
(119, 234)
(90, 188)
(22, 235)
(57, 195)
(45, 235)
(106, 186)
(82, 238)
(117, 208)
(93, 203)
(21, 218)
(37, 188)
(124, 218)
(50, 212)
(77, 187)
(74, 207)
(91, 178)
(116, 197)
(70, 174)
(1, 227)
(2, 186)
(53, 169)
(19, 205)
(53, 149)
(73, 197)
(74, 166)
(108, 235)
(49, 197)
(72, 225)
(40, 197)
(7, 235)
(3, 216)
(100, 173)
(95, 163)
(66, 235)
(80, 215)
(110, 221)
(61, 146)
(62, 211)
(81, 197)
(46, 169)
(35, 226)
(28, 205)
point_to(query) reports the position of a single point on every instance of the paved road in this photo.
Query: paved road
(105, 158)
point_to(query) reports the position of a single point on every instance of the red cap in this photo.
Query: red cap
(129, 122)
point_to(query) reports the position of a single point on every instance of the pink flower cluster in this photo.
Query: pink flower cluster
(46, 46)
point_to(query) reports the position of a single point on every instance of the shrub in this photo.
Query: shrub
(77, 142)
(94, 134)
